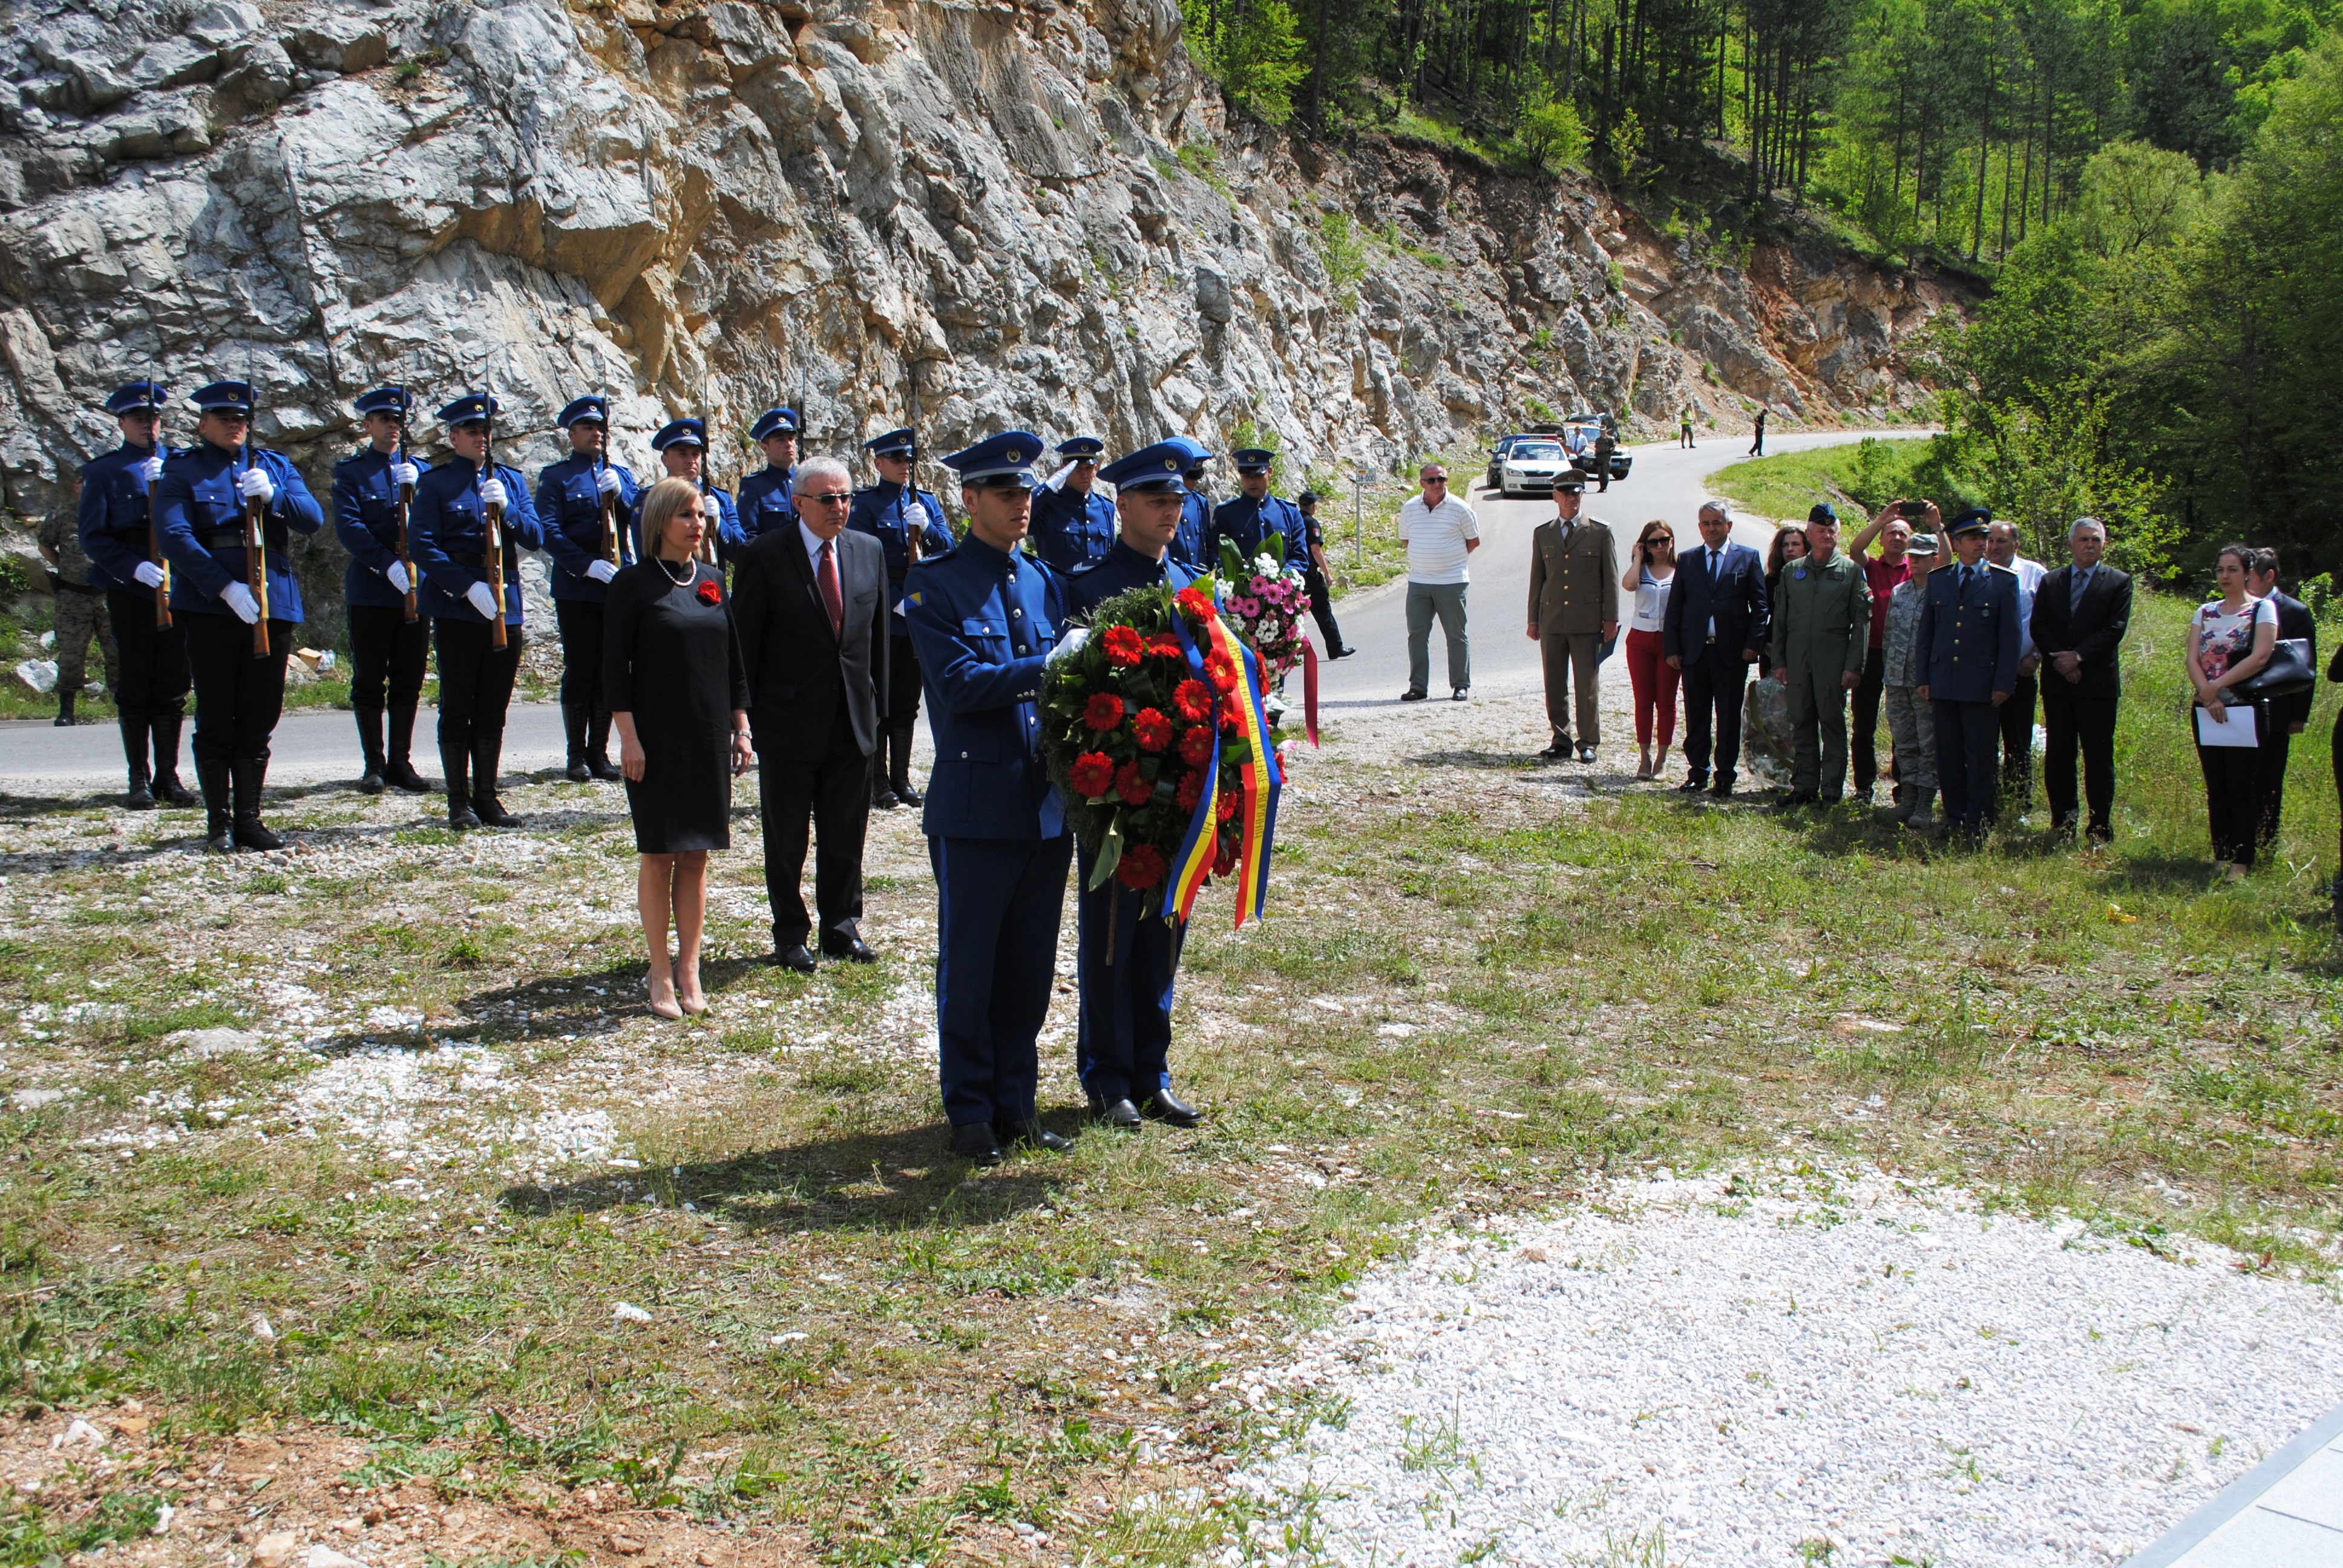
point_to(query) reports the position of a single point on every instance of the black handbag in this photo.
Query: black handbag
(2288, 673)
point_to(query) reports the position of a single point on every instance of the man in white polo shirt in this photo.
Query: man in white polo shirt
(1439, 531)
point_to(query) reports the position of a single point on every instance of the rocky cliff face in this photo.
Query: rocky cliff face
(710, 207)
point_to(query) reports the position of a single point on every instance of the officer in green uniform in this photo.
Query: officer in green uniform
(1821, 636)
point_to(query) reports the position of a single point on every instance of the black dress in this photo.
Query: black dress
(670, 657)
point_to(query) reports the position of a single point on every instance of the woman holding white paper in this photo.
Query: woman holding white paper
(2234, 636)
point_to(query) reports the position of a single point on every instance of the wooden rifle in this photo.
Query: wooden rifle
(609, 510)
(255, 535)
(915, 516)
(492, 519)
(154, 534)
(406, 500)
(707, 512)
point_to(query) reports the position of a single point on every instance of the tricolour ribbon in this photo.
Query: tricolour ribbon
(1310, 689)
(1259, 783)
(1202, 843)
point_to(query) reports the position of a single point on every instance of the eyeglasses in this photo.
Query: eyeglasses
(830, 499)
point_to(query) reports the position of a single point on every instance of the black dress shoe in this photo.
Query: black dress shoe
(1460, 694)
(1119, 1113)
(1795, 799)
(909, 796)
(884, 800)
(974, 1140)
(1412, 696)
(491, 810)
(1557, 752)
(461, 818)
(853, 950)
(371, 783)
(1692, 786)
(400, 774)
(793, 958)
(578, 772)
(1722, 789)
(1167, 1107)
(1031, 1135)
(1343, 653)
(140, 797)
(1587, 754)
(171, 792)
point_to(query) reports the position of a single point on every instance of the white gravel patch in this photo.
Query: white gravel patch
(1757, 1368)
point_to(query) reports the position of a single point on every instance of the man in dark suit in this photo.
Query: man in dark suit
(2288, 715)
(810, 601)
(1716, 621)
(1967, 650)
(2080, 614)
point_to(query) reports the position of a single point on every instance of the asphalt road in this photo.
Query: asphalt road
(1667, 482)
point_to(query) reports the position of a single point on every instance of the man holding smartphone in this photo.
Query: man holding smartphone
(1886, 572)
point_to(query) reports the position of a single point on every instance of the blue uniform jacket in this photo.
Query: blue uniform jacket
(883, 511)
(113, 517)
(730, 539)
(1255, 528)
(1968, 638)
(199, 512)
(1070, 529)
(1123, 570)
(570, 512)
(768, 501)
(982, 622)
(365, 519)
(445, 533)
(1195, 522)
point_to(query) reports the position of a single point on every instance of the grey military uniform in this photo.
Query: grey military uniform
(81, 606)
(1912, 722)
(1822, 633)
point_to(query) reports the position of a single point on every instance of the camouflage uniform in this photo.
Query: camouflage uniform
(81, 608)
(1911, 721)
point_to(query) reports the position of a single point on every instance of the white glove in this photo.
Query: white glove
(600, 571)
(492, 492)
(148, 573)
(607, 481)
(405, 474)
(481, 600)
(238, 598)
(257, 486)
(151, 469)
(1067, 644)
(396, 573)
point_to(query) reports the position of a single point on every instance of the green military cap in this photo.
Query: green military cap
(1922, 544)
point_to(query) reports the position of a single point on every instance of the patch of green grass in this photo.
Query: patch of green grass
(32, 1536)
(1865, 475)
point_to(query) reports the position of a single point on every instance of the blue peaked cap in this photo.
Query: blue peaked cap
(592, 406)
(682, 433)
(138, 397)
(774, 422)
(1253, 459)
(396, 400)
(1156, 468)
(1082, 447)
(1005, 460)
(472, 407)
(225, 396)
(893, 443)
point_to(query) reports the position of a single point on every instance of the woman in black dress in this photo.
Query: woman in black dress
(678, 696)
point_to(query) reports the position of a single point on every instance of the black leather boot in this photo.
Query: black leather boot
(598, 748)
(398, 766)
(370, 743)
(899, 764)
(165, 730)
(65, 719)
(250, 833)
(219, 811)
(882, 798)
(488, 751)
(456, 762)
(574, 721)
(134, 752)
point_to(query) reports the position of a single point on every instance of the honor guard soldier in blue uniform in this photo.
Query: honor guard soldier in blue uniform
(1195, 511)
(1966, 648)
(388, 651)
(984, 618)
(908, 524)
(1129, 954)
(151, 693)
(1314, 574)
(571, 495)
(448, 534)
(1073, 524)
(768, 499)
(1256, 521)
(199, 512)
(682, 446)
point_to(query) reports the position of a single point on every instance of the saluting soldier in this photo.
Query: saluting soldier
(199, 511)
(1967, 652)
(908, 524)
(767, 500)
(1196, 510)
(571, 495)
(1256, 521)
(388, 651)
(1573, 612)
(1822, 639)
(984, 618)
(80, 611)
(1073, 524)
(151, 695)
(1129, 954)
(447, 535)
(682, 447)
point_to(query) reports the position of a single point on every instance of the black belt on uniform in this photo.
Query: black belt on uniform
(59, 583)
(229, 540)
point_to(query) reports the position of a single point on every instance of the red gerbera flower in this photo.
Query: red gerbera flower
(1093, 773)
(1191, 788)
(1196, 746)
(1228, 806)
(710, 593)
(1231, 712)
(1224, 859)
(1194, 699)
(1142, 865)
(1197, 602)
(1165, 648)
(1103, 712)
(1153, 731)
(1123, 646)
(1134, 790)
(1223, 670)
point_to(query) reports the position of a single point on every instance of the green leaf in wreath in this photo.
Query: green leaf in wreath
(1110, 854)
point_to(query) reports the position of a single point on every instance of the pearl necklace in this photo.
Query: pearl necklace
(691, 572)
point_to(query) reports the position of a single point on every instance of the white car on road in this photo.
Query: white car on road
(1528, 468)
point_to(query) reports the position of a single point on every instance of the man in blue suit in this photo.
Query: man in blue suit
(983, 620)
(1073, 525)
(1717, 619)
(768, 502)
(1195, 511)
(388, 650)
(908, 524)
(1968, 646)
(1256, 521)
(682, 448)
(1129, 955)
(571, 495)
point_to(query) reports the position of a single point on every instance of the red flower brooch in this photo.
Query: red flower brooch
(710, 592)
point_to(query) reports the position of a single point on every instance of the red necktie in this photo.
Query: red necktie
(830, 600)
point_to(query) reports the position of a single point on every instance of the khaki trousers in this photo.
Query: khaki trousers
(1572, 660)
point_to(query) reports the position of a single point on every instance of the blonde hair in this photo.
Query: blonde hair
(661, 502)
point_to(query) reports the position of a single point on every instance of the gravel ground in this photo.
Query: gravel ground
(1783, 1366)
